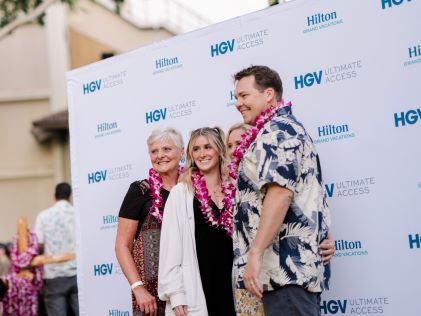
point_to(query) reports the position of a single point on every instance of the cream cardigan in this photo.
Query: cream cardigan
(179, 280)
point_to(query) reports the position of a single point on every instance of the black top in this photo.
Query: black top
(215, 256)
(138, 202)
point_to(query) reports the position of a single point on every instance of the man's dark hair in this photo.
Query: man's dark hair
(264, 78)
(63, 191)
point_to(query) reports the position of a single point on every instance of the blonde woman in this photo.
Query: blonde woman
(196, 246)
(234, 137)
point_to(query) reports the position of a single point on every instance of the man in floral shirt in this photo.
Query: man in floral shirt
(55, 230)
(281, 213)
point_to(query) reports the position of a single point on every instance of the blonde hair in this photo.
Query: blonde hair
(215, 136)
(234, 127)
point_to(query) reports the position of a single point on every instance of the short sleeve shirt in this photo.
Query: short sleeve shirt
(55, 228)
(138, 201)
(283, 153)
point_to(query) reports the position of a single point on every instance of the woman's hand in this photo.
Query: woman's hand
(180, 310)
(146, 301)
(327, 249)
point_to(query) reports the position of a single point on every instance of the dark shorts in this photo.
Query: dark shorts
(291, 300)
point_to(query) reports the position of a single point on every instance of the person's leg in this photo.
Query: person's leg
(73, 295)
(291, 301)
(55, 297)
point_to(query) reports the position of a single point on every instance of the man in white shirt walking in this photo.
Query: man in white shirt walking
(55, 229)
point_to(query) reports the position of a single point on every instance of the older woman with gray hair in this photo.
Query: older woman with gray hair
(140, 218)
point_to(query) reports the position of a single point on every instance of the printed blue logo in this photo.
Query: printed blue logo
(320, 18)
(308, 80)
(346, 245)
(115, 173)
(389, 3)
(333, 307)
(167, 64)
(108, 222)
(409, 117)
(107, 82)
(222, 48)
(106, 128)
(321, 21)
(348, 248)
(92, 86)
(103, 269)
(332, 129)
(330, 132)
(414, 241)
(171, 112)
(414, 51)
(156, 115)
(109, 219)
(232, 99)
(414, 55)
(355, 306)
(350, 188)
(330, 75)
(117, 312)
(97, 176)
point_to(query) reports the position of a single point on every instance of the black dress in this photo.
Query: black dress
(215, 255)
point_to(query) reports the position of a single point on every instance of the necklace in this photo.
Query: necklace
(250, 135)
(202, 194)
(155, 180)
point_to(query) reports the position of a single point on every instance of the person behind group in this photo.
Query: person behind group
(233, 138)
(140, 217)
(195, 264)
(281, 213)
(55, 230)
(4, 259)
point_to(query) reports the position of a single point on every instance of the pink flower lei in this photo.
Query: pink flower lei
(155, 181)
(250, 135)
(202, 194)
(22, 296)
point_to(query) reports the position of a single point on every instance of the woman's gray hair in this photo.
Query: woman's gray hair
(171, 133)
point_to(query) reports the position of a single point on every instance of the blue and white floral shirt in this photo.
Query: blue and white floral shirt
(55, 228)
(283, 153)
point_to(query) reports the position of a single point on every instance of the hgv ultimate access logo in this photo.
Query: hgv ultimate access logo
(107, 82)
(241, 43)
(355, 306)
(330, 75)
(350, 187)
(171, 112)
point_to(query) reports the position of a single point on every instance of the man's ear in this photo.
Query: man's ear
(270, 94)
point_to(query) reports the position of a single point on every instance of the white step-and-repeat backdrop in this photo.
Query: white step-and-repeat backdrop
(353, 72)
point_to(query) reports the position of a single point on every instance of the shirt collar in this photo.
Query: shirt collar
(284, 110)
